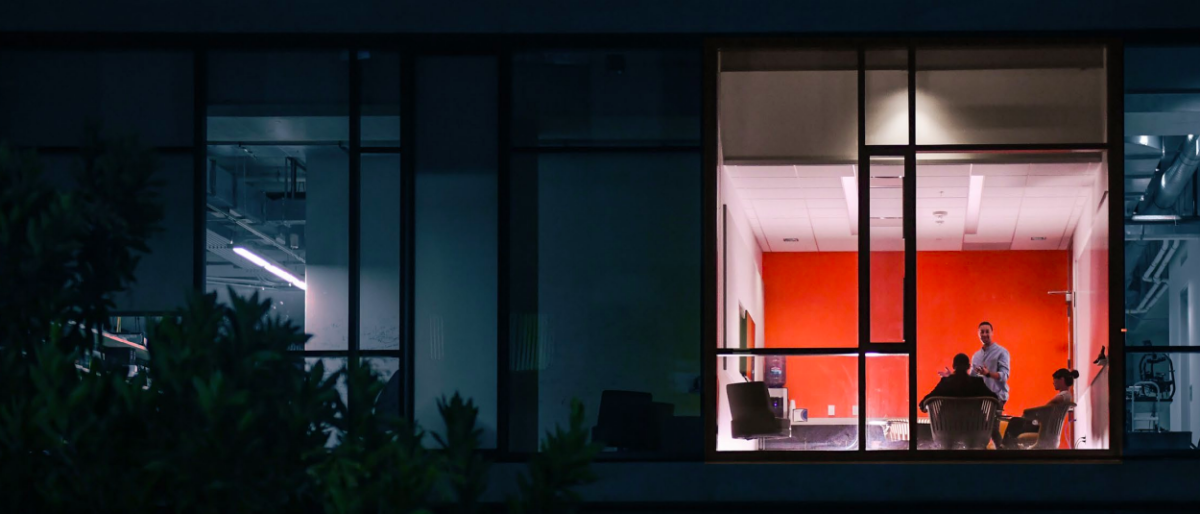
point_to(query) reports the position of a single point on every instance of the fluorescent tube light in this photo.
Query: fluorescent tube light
(275, 270)
(974, 199)
(1155, 217)
(850, 191)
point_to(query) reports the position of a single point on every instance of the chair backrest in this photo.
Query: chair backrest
(750, 407)
(962, 421)
(1050, 420)
(622, 419)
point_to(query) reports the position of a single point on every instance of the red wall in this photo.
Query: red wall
(812, 301)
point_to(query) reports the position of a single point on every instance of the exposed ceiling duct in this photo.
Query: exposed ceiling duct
(1167, 184)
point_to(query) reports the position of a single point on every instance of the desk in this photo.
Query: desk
(829, 434)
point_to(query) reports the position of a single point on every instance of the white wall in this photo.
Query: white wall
(743, 283)
(1184, 273)
(1090, 252)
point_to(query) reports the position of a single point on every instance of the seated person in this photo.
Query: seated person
(1063, 380)
(959, 384)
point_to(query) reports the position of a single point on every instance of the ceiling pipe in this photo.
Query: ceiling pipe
(1168, 183)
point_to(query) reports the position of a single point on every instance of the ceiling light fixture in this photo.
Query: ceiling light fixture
(1037, 238)
(1155, 217)
(850, 191)
(267, 265)
(974, 200)
(791, 240)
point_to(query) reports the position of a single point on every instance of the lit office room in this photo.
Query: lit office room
(852, 270)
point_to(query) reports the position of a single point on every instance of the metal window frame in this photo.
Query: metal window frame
(1113, 147)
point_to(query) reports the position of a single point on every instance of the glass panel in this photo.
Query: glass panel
(1010, 96)
(789, 107)
(887, 402)
(47, 98)
(379, 290)
(790, 253)
(278, 186)
(1162, 414)
(887, 96)
(823, 390)
(456, 238)
(380, 98)
(1002, 238)
(887, 249)
(606, 98)
(604, 267)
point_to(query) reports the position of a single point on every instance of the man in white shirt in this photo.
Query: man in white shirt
(992, 362)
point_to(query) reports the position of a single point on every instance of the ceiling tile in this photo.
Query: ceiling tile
(761, 171)
(1060, 181)
(819, 182)
(828, 213)
(996, 229)
(751, 182)
(951, 244)
(751, 194)
(780, 208)
(840, 170)
(824, 193)
(942, 192)
(750, 213)
(1065, 168)
(942, 170)
(1033, 192)
(991, 170)
(1045, 202)
(827, 203)
(962, 181)
(1004, 181)
(933, 203)
(1003, 192)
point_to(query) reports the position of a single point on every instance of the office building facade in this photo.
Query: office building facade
(640, 206)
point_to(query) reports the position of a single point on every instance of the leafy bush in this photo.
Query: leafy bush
(226, 419)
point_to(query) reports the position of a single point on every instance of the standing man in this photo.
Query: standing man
(992, 363)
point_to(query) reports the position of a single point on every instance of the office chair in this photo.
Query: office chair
(623, 419)
(1050, 420)
(750, 407)
(962, 421)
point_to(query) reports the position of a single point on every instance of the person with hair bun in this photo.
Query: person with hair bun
(1063, 380)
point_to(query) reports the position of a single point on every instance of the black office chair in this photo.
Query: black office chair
(750, 407)
(623, 420)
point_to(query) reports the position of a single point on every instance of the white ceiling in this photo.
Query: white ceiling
(1020, 202)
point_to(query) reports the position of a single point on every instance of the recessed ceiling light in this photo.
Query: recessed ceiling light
(1037, 239)
(791, 240)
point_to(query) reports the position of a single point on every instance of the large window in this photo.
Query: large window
(884, 209)
(604, 250)
(1162, 243)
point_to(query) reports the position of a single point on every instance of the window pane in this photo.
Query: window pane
(602, 98)
(47, 98)
(379, 289)
(278, 186)
(380, 98)
(887, 249)
(1010, 96)
(1162, 414)
(887, 402)
(457, 248)
(789, 107)
(1004, 238)
(887, 96)
(605, 262)
(755, 410)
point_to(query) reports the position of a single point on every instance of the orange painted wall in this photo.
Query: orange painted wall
(811, 301)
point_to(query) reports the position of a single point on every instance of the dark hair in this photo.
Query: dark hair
(1068, 375)
(988, 323)
(962, 362)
